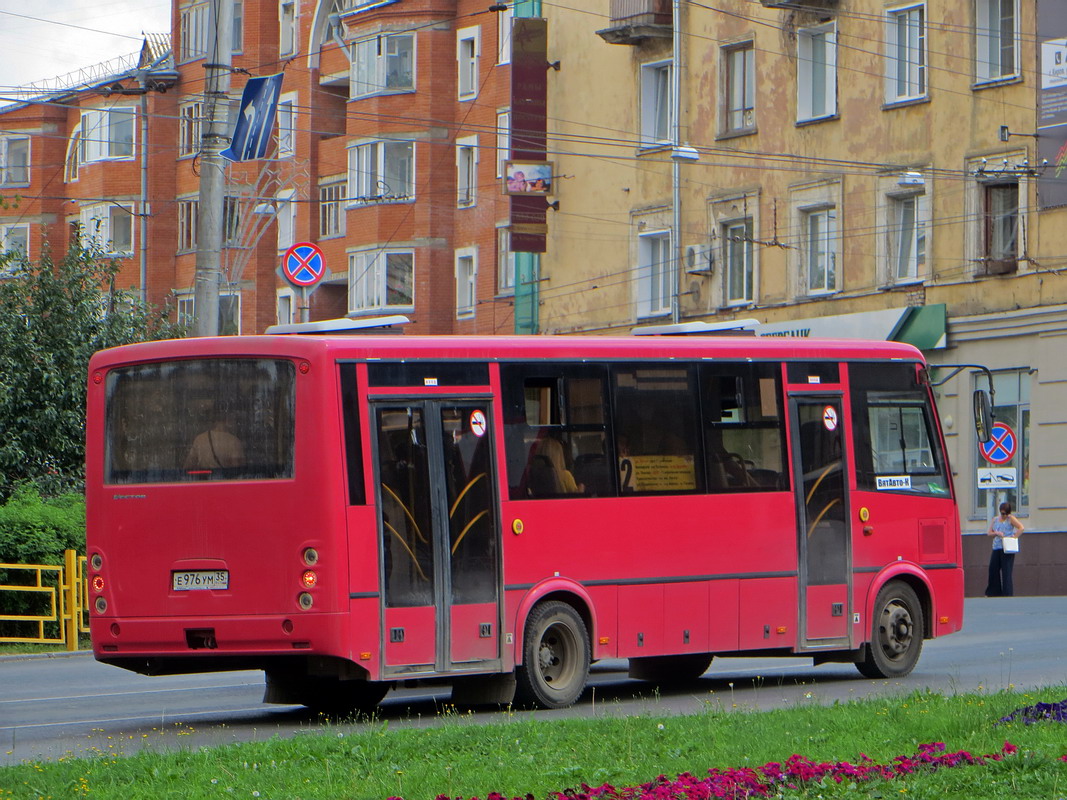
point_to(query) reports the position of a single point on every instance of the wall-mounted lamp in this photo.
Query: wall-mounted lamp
(1006, 134)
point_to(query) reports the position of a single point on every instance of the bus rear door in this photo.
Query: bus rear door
(438, 524)
(823, 543)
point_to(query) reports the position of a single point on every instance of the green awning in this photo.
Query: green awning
(923, 326)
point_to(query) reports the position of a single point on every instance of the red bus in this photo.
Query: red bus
(496, 513)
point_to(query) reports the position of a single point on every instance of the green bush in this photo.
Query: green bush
(37, 531)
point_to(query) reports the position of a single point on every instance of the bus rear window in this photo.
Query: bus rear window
(207, 419)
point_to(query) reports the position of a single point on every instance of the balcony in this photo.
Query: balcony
(633, 21)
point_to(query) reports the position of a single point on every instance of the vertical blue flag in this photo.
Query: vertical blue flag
(255, 121)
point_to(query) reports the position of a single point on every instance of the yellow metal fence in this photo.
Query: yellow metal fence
(49, 602)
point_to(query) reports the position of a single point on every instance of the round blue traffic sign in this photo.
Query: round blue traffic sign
(304, 264)
(1002, 444)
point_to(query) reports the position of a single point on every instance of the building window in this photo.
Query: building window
(905, 54)
(505, 262)
(655, 104)
(381, 279)
(286, 27)
(1000, 227)
(238, 37)
(332, 209)
(383, 64)
(381, 171)
(186, 308)
(816, 72)
(1012, 398)
(109, 227)
(820, 250)
(107, 134)
(188, 213)
(286, 307)
(195, 25)
(996, 34)
(286, 205)
(466, 280)
(503, 140)
(190, 127)
(467, 53)
(286, 126)
(738, 269)
(229, 312)
(740, 89)
(14, 239)
(466, 171)
(14, 160)
(908, 221)
(503, 33)
(654, 273)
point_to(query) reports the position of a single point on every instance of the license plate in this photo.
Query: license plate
(201, 579)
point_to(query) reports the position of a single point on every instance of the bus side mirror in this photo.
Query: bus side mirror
(983, 416)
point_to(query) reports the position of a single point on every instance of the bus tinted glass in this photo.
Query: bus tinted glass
(206, 419)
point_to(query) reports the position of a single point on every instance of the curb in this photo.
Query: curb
(57, 654)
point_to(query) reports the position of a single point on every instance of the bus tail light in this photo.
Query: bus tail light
(100, 605)
(98, 583)
(305, 600)
(96, 562)
(311, 556)
(309, 578)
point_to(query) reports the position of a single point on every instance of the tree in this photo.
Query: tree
(53, 317)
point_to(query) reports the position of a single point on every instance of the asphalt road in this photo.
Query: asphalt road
(70, 705)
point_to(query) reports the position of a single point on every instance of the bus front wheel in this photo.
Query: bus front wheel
(556, 657)
(896, 635)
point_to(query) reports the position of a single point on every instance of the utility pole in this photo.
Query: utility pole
(213, 141)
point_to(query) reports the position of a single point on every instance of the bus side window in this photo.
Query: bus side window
(743, 435)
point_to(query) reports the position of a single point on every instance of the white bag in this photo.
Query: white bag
(1011, 544)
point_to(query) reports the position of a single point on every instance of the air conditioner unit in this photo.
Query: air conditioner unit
(699, 259)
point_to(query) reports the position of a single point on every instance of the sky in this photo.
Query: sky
(43, 39)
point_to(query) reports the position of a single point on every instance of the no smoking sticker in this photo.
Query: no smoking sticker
(478, 423)
(829, 418)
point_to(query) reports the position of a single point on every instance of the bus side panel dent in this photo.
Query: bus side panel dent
(567, 591)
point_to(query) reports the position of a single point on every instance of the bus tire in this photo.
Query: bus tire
(556, 657)
(896, 633)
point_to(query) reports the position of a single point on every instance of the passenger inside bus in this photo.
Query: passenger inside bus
(547, 471)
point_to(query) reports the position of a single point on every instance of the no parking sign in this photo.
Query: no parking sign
(1002, 444)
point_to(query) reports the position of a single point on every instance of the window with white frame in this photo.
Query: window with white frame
(820, 249)
(194, 24)
(109, 227)
(186, 310)
(14, 160)
(72, 165)
(332, 209)
(738, 269)
(656, 107)
(15, 239)
(996, 39)
(504, 19)
(107, 134)
(286, 206)
(905, 54)
(381, 171)
(190, 127)
(654, 273)
(816, 72)
(238, 37)
(503, 140)
(286, 27)
(286, 307)
(286, 125)
(231, 222)
(908, 218)
(740, 88)
(188, 216)
(468, 50)
(381, 279)
(383, 64)
(466, 171)
(466, 281)
(505, 262)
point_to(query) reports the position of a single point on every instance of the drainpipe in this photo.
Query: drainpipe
(676, 167)
(145, 211)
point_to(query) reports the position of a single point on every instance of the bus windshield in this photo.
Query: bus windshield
(202, 419)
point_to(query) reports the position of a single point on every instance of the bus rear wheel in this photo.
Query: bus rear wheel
(896, 635)
(556, 657)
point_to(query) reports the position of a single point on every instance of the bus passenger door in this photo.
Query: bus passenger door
(439, 536)
(823, 543)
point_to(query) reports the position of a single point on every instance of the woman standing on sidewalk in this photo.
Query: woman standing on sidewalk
(1001, 563)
